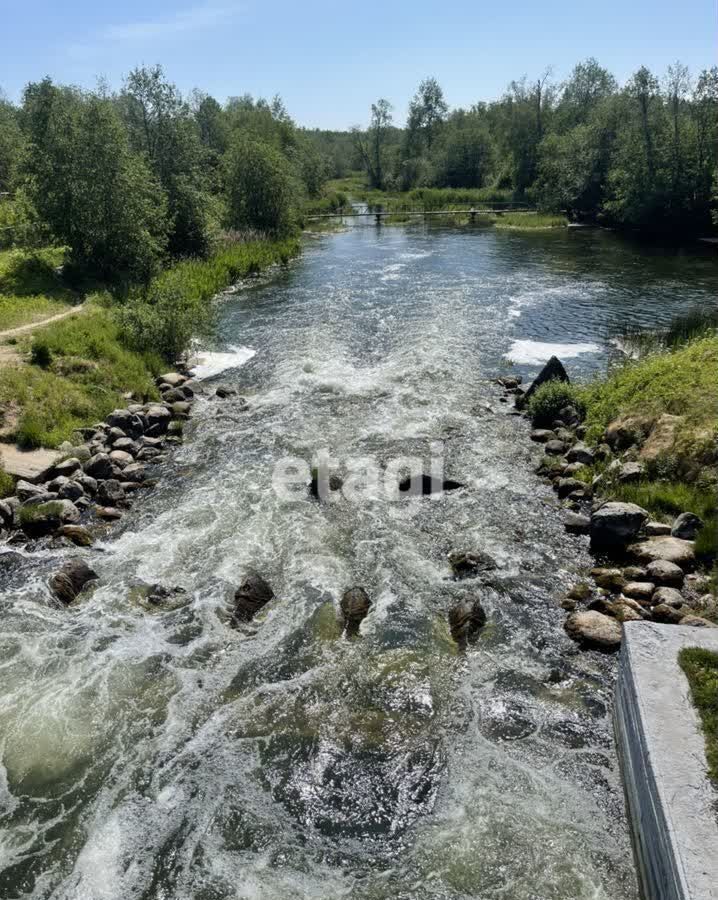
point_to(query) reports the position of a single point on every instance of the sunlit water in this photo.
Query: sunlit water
(160, 754)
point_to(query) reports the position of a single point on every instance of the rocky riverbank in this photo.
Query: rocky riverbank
(646, 570)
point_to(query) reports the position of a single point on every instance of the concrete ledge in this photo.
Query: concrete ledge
(672, 806)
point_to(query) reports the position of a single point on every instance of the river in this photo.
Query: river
(158, 753)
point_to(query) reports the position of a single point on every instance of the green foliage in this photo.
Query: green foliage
(12, 143)
(176, 307)
(261, 194)
(549, 399)
(681, 382)
(40, 353)
(7, 483)
(701, 669)
(529, 221)
(98, 198)
(29, 514)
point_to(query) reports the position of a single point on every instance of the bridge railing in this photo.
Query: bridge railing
(393, 208)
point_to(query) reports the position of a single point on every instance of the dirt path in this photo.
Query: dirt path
(23, 329)
(9, 354)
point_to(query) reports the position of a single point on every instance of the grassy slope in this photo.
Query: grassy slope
(678, 382)
(29, 287)
(86, 369)
(701, 668)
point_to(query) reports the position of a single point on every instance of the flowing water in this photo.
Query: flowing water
(155, 752)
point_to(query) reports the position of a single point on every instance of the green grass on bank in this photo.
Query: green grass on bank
(701, 669)
(81, 373)
(30, 289)
(681, 382)
(530, 221)
(79, 368)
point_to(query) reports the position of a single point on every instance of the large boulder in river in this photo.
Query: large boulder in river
(552, 371)
(355, 604)
(594, 629)
(71, 579)
(250, 597)
(466, 621)
(616, 524)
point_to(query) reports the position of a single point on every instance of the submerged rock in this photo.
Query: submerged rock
(355, 605)
(71, 579)
(250, 597)
(466, 621)
(424, 485)
(467, 563)
(78, 534)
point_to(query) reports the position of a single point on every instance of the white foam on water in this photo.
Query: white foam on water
(533, 353)
(211, 363)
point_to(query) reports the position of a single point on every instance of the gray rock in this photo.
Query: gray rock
(25, 490)
(158, 418)
(594, 629)
(671, 549)
(127, 421)
(566, 486)
(110, 492)
(629, 471)
(181, 409)
(697, 621)
(135, 472)
(639, 590)
(115, 434)
(174, 395)
(126, 445)
(107, 512)
(609, 579)
(615, 524)
(173, 379)
(686, 526)
(86, 482)
(466, 621)
(662, 572)
(552, 371)
(43, 518)
(223, 391)
(99, 466)
(468, 563)
(668, 596)
(577, 523)
(7, 515)
(542, 435)
(253, 594)
(78, 534)
(71, 491)
(555, 447)
(121, 459)
(668, 615)
(72, 578)
(654, 529)
(573, 468)
(57, 484)
(580, 453)
(67, 467)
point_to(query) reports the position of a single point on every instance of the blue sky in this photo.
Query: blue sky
(330, 60)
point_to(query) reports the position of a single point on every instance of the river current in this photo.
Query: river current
(158, 753)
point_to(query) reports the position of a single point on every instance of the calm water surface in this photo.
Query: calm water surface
(160, 754)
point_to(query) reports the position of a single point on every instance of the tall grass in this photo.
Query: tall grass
(530, 221)
(437, 198)
(30, 288)
(176, 307)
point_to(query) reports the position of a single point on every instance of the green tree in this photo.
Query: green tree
(11, 144)
(372, 146)
(92, 191)
(161, 127)
(261, 191)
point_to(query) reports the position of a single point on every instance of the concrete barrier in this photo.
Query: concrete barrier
(672, 806)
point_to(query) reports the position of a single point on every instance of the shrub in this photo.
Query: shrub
(7, 483)
(549, 399)
(40, 353)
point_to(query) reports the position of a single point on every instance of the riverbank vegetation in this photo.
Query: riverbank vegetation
(145, 204)
(638, 155)
(701, 669)
(662, 409)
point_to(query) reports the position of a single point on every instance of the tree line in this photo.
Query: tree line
(131, 179)
(641, 155)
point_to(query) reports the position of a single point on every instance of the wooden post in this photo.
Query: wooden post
(472, 214)
(378, 218)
